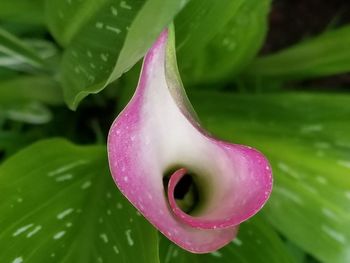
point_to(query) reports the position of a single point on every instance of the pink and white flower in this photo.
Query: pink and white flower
(156, 142)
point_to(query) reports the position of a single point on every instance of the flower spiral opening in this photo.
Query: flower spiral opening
(186, 191)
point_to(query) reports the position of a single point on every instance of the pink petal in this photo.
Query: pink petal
(157, 131)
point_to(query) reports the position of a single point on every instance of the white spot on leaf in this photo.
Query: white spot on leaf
(67, 167)
(216, 254)
(311, 128)
(129, 238)
(22, 229)
(86, 185)
(59, 235)
(237, 241)
(65, 177)
(347, 194)
(18, 260)
(104, 237)
(116, 250)
(339, 237)
(321, 180)
(329, 213)
(34, 231)
(113, 29)
(345, 164)
(99, 25)
(64, 213)
(104, 57)
(288, 170)
(124, 5)
(114, 10)
(289, 194)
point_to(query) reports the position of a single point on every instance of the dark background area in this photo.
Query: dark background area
(292, 21)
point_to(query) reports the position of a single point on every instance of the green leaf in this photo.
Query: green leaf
(256, 242)
(104, 39)
(23, 98)
(18, 51)
(13, 140)
(59, 203)
(6, 73)
(230, 33)
(22, 11)
(30, 88)
(28, 112)
(202, 20)
(324, 55)
(307, 140)
(44, 50)
(66, 18)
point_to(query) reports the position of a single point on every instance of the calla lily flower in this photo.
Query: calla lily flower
(193, 188)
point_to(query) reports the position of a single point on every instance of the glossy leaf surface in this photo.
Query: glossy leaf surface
(72, 212)
(230, 33)
(104, 39)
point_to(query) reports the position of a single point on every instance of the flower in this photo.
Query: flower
(193, 188)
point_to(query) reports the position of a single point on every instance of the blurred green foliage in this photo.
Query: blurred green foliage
(55, 52)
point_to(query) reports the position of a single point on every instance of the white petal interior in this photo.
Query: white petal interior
(175, 141)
